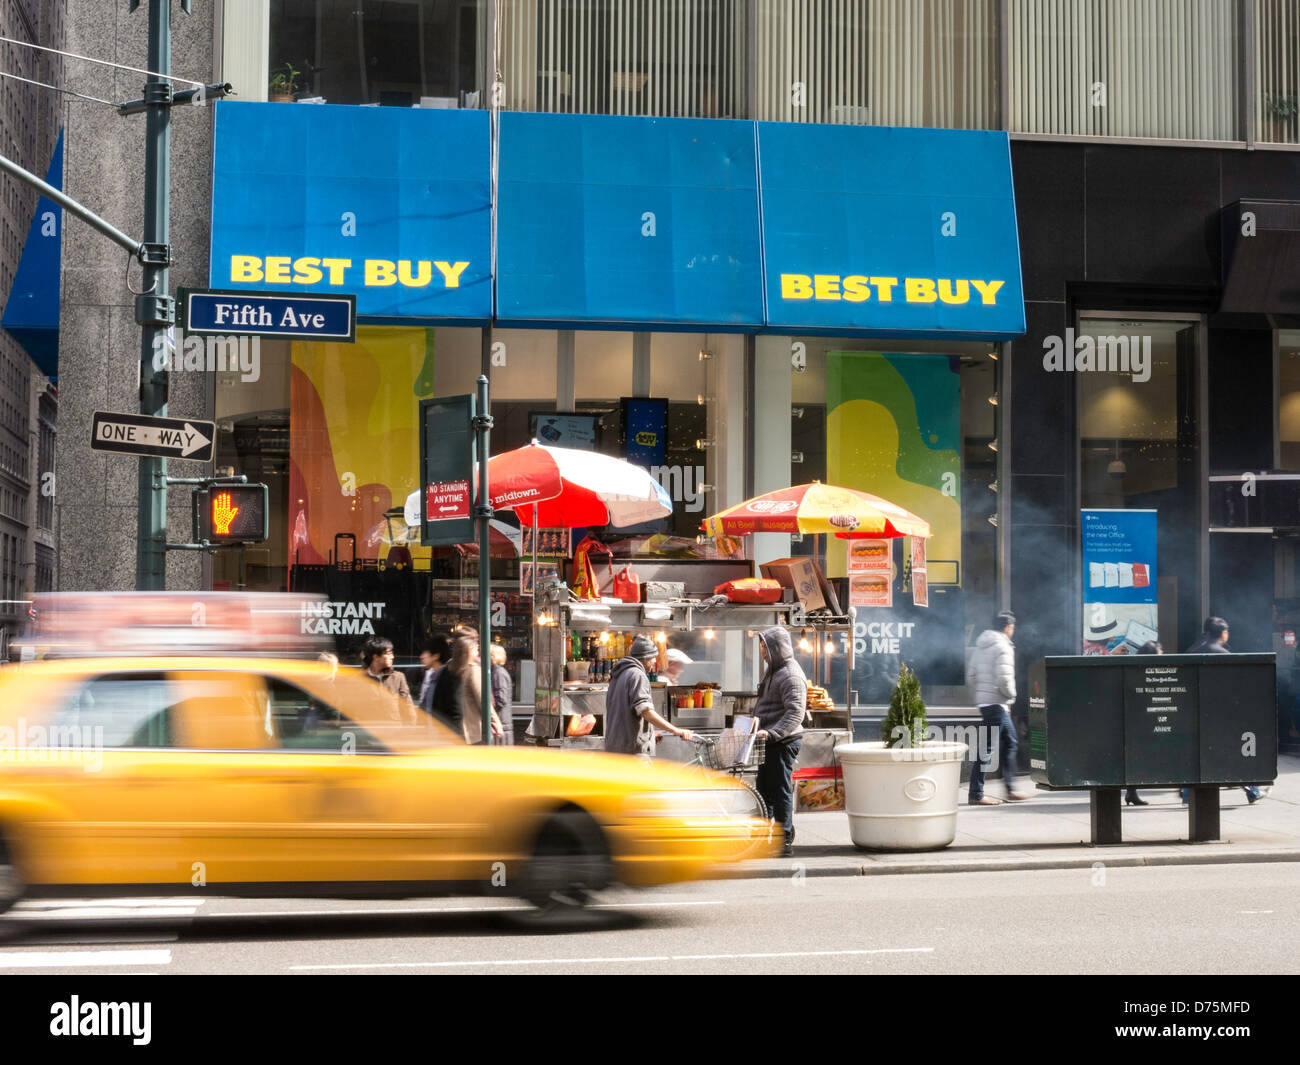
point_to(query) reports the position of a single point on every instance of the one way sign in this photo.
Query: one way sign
(139, 434)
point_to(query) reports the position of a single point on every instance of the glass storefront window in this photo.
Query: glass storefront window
(910, 422)
(400, 53)
(332, 430)
(1138, 449)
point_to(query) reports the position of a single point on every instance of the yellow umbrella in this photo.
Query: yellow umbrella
(818, 508)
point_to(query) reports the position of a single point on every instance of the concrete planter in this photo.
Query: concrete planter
(902, 798)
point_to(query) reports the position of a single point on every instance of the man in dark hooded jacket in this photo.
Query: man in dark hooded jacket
(782, 700)
(630, 717)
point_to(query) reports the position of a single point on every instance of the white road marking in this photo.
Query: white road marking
(613, 960)
(1254, 911)
(80, 959)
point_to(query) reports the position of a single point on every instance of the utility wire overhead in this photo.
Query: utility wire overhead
(57, 88)
(101, 62)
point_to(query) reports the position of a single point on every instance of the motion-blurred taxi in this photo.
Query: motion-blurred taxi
(273, 776)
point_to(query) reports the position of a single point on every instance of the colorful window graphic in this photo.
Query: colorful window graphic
(354, 443)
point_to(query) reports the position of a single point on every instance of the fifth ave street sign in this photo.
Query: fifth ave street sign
(224, 313)
(139, 434)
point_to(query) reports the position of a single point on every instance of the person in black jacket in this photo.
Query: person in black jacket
(435, 654)
(782, 702)
(503, 694)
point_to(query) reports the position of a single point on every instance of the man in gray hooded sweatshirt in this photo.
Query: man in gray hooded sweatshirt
(630, 717)
(782, 700)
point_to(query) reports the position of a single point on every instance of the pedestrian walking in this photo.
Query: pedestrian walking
(433, 656)
(458, 691)
(993, 684)
(377, 658)
(782, 702)
(1214, 641)
(630, 716)
(1151, 647)
(503, 694)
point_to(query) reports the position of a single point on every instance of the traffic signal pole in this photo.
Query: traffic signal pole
(482, 512)
(154, 307)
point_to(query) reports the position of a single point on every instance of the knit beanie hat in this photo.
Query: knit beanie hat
(642, 649)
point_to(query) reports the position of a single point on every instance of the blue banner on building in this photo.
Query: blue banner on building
(620, 221)
(390, 204)
(31, 312)
(1120, 594)
(894, 232)
(639, 221)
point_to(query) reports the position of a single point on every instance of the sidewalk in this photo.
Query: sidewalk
(1051, 831)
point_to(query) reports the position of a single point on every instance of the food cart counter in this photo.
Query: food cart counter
(570, 713)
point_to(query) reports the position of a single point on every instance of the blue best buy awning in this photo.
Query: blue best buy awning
(894, 232)
(629, 221)
(31, 313)
(623, 222)
(390, 204)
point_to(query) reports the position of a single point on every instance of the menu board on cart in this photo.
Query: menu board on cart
(920, 582)
(551, 543)
(547, 572)
(552, 547)
(870, 570)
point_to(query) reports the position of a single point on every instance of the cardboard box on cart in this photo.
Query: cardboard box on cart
(801, 574)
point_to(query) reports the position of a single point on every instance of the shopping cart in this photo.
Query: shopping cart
(737, 755)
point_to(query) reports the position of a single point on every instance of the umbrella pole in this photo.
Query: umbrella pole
(563, 657)
(824, 662)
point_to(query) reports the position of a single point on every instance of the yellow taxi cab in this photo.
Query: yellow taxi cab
(242, 775)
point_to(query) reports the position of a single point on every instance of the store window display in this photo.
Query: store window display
(913, 425)
(1138, 451)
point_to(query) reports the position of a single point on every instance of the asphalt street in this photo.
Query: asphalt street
(1180, 919)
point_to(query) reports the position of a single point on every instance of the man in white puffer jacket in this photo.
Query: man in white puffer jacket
(992, 680)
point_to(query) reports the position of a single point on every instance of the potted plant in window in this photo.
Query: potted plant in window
(283, 83)
(901, 792)
(1280, 110)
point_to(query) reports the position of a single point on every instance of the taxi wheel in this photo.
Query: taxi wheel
(569, 863)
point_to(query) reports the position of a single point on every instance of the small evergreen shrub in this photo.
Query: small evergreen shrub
(905, 724)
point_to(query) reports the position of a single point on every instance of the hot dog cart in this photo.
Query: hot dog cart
(569, 703)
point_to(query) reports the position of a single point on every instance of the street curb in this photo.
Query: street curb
(791, 866)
